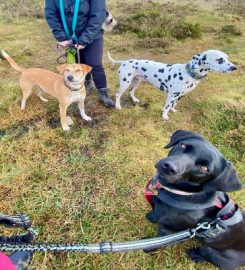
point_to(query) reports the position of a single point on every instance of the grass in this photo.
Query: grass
(86, 185)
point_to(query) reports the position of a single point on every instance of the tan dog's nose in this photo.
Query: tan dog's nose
(70, 78)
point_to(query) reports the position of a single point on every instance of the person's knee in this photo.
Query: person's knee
(96, 69)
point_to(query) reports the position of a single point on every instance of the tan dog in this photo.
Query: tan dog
(67, 88)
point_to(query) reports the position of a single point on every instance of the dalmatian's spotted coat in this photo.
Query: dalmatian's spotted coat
(175, 80)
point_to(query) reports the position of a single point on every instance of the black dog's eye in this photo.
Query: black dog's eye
(204, 169)
(220, 61)
(183, 146)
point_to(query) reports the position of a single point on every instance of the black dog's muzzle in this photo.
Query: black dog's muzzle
(172, 166)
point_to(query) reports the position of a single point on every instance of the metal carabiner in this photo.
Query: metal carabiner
(200, 226)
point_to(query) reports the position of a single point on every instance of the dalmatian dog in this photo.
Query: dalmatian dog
(175, 80)
(110, 23)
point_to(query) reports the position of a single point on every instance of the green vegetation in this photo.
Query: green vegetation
(154, 23)
(230, 29)
(87, 185)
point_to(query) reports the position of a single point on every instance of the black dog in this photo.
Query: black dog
(193, 179)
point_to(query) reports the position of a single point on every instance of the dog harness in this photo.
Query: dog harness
(228, 215)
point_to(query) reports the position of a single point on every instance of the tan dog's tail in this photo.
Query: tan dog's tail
(12, 62)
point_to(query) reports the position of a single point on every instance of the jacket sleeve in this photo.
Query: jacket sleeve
(54, 21)
(97, 16)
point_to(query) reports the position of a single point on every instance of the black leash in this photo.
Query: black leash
(78, 56)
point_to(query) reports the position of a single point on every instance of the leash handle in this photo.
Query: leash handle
(15, 221)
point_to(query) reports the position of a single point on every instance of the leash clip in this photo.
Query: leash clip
(200, 226)
(208, 229)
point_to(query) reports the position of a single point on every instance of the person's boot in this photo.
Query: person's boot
(89, 86)
(105, 98)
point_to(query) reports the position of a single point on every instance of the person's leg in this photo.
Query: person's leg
(92, 56)
(89, 83)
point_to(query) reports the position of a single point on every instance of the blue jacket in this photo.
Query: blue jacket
(91, 15)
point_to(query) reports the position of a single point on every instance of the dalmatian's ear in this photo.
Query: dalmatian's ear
(197, 60)
(180, 135)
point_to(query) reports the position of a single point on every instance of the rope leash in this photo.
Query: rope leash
(109, 247)
(103, 247)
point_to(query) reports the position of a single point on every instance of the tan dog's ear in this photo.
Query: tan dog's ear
(86, 68)
(61, 68)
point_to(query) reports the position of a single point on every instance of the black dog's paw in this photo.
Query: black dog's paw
(151, 217)
(195, 255)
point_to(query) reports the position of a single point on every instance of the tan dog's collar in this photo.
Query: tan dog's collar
(73, 89)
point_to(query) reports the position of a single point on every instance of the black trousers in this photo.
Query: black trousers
(92, 55)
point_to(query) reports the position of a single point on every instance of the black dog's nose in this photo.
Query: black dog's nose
(169, 167)
(233, 68)
(70, 78)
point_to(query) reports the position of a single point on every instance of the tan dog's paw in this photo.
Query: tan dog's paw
(87, 118)
(66, 128)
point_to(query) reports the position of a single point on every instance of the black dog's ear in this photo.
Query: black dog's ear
(180, 135)
(226, 181)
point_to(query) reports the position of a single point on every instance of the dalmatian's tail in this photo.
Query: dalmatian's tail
(114, 61)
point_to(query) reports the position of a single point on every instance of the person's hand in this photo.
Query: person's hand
(65, 43)
(79, 46)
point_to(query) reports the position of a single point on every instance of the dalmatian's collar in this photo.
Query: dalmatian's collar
(192, 73)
